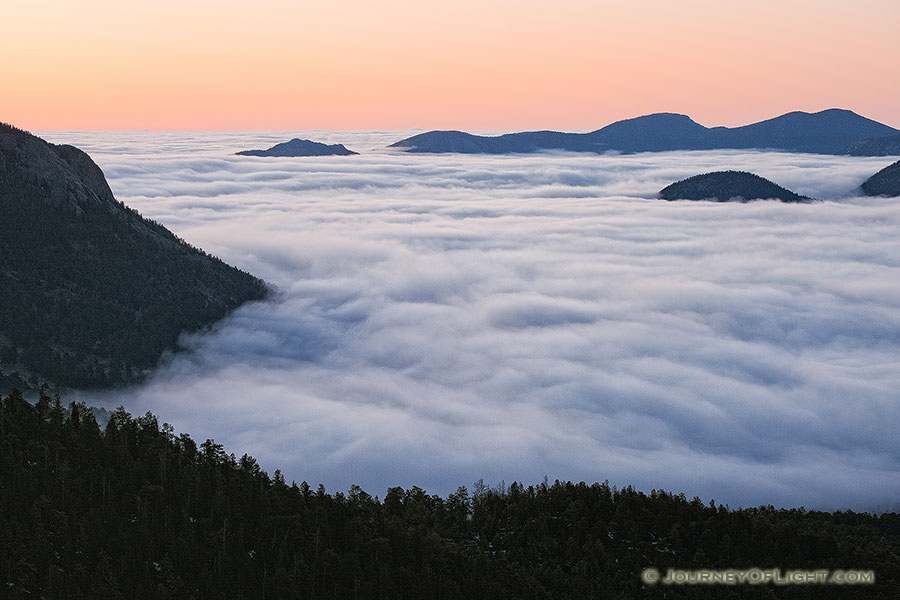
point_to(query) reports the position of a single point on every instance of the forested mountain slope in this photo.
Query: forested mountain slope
(91, 293)
(136, 511)
(885, 182)
(725, 186)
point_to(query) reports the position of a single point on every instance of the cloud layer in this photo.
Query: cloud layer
(441, 319)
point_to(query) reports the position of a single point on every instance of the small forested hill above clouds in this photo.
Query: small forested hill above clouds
(298, 147)
(724, 186)
(91, 293)
(885, 182)
(826, 132)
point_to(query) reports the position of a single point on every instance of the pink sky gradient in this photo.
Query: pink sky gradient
(395, 64)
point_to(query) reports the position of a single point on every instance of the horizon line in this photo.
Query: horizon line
(425, 129)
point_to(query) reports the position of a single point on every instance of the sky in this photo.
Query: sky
(440, 319)
(396, 64)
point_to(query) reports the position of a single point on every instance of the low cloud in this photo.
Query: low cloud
(441, 319)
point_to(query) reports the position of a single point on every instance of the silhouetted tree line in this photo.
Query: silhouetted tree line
(133, 510)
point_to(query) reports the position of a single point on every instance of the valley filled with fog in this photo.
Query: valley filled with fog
(439, 319)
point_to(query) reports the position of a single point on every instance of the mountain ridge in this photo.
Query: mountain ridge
(825, 132)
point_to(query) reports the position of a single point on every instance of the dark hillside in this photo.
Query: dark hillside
(650, 133)
(91, 293)
(885, 182)
(449, 141)
(725, 186)
(826, 132)
(298, 147)
(886, 145)
(138, 512)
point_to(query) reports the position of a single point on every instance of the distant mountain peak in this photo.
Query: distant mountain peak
(658, 116)
(844, 111)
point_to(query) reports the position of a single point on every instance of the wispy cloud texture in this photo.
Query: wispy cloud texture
(441, 319)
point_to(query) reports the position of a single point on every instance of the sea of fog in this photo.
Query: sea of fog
(440, 319)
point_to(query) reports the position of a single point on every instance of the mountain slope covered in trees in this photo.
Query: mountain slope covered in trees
(888, 145)
(725, 186)
(885, 182)
(91, 293)
(136, 511)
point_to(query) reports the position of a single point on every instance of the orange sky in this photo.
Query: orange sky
(395, 64)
